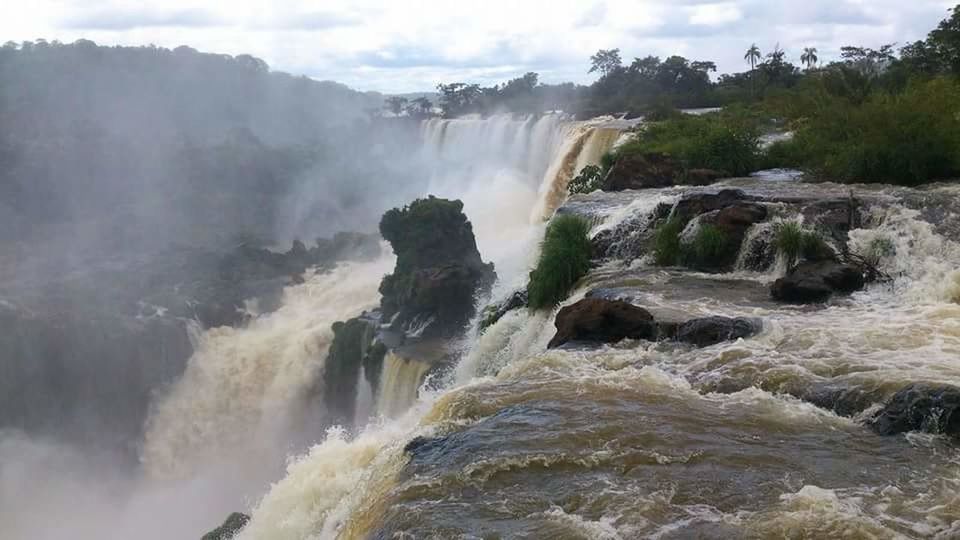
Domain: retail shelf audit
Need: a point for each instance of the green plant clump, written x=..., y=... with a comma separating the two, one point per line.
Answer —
x=564, y=259
x=795, y=243
x=667, y=248
x=707, y=249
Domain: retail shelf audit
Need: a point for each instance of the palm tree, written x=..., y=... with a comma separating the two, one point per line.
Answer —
x=752, y=57
x=809, y=57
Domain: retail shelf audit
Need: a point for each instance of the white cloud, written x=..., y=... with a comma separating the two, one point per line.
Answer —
x=715, y=14
x=400, y=46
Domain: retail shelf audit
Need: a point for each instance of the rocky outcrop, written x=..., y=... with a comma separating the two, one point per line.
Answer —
x=438, y=272
x=355, y=345
x=604, y=321
x=234, y=524
x=817, y=281
x=920, y=407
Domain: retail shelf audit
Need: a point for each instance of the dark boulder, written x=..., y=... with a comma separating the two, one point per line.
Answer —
x=438, y=272
x=233, y=525
x=694, y=204
x=817, y=281
x=708, y=331
x=601, y=320
x=920, y=407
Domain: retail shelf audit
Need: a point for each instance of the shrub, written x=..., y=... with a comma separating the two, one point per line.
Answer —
x=564, y=259
x=587, y=181
x=667, y=247
x=723, y=142
x=795, y=243
x=906, y=138
x=708, y=249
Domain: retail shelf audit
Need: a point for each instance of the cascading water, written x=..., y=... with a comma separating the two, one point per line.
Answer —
x=245, y=388
x=399, y=383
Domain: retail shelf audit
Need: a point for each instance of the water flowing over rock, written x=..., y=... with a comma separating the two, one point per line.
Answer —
x=920, y=407
x=708, y=331
x=355, y=346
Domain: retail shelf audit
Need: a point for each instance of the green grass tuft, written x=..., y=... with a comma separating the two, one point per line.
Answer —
x=707, y=248
x=795, y=243
x=667, y=248
x=564, y=259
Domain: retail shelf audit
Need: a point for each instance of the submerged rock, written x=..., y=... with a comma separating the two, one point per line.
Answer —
x=601, y=320
x=708, y=331
x=920, y=407
x=438, y=272
x=233, y=525
x=811, y=282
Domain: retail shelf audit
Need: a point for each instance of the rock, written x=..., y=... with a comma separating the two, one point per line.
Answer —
x=836, y=217
x=708, y=331
x=438, y=272
x=692, y=205
x=733, y=222
x=641, y=171
x=920, y=407
x=494, y=313
x=701, y=177
x=601, y=320
x=234, y=523
x=842, y=400
x=817, y=281
x=355, y=346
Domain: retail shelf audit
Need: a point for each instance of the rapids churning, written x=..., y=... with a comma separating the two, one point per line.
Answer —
x=510, y=439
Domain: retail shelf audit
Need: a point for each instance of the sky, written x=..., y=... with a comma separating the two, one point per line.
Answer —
x=396, y=46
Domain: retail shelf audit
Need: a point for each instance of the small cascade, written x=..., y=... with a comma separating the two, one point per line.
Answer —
x=399, y=383
x=363, y=408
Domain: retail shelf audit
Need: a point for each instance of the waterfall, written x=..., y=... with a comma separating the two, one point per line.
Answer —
x=244, y=386
x=399, y=383
x=512, y=174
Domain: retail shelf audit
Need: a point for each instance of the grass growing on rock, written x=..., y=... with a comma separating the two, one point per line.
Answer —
x=667, y=247
x=564, y=259
x=793, y=242
x=707, y=248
